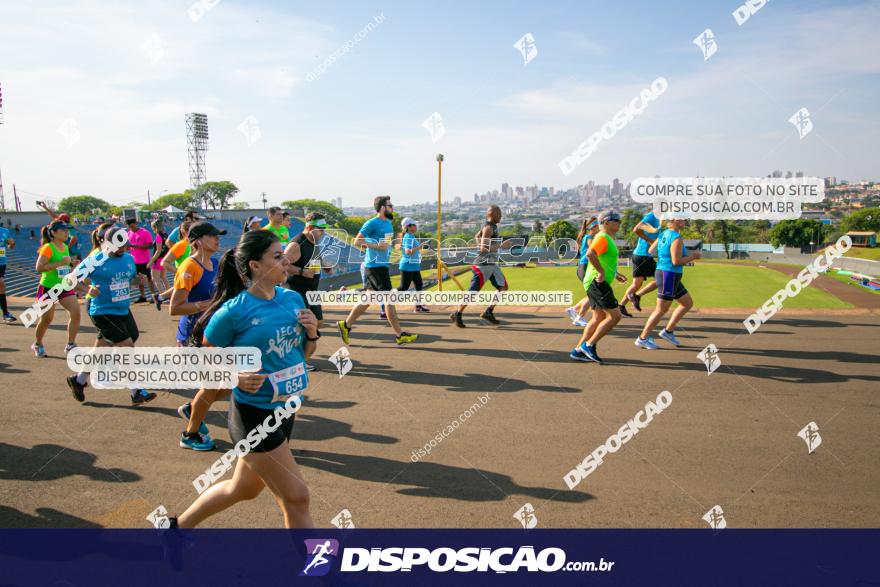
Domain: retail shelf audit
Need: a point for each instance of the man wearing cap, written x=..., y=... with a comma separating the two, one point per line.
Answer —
x=276, y=225
x=141, y=242
x=411, y=260
x=304, y=255
x=602, y=256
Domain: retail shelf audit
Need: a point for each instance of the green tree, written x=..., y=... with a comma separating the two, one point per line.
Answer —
x=217, y=194
x=351, y=224
x=628, y=221
x=726, y=232
x=184, y=201
x=797, y=233
x=330, y=212
x=867, y=219
x=84, y=205
x=538, y=227
x=560, y=229
x=516, y=230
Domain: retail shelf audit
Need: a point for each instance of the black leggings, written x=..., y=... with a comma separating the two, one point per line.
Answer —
x=410, y=277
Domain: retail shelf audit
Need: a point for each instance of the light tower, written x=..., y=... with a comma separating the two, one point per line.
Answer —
x=197, y=145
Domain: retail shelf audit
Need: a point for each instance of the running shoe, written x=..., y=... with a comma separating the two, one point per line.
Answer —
x=490, y=317
x=624, y=311
x=424, y=309
x=142, y=396
x=69, y=347
x=647, y=343
x=669, y=337
x=636, y=301
x=9, y=318
x=383, y=316
x=590, y=353
x=577, y=355
x=456, y=317
x=76, y=389
x=406, y=337
x=185, y=411
x=141, y=300
x=310, y=367
x=39, y=350
x=572, y=314
x=196, y=441
x=580, y=321
x=344, y=330
x=158, y=300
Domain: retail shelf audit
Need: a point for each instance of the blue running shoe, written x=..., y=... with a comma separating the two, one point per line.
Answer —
x=669, y=337
x=646, y=343
x=196, y=442
x=577, y=355
x=184, y=411
x=590, y=353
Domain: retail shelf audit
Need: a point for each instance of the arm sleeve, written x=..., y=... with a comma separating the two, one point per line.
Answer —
x=220, y=330
x=45, y=251
x=177, y=249
x=188, y=275
x=599, y=244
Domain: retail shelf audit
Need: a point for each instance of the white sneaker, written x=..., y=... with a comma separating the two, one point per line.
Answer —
x=572, y=315
x=670, y=337
x=579, y=321
x=647, y=343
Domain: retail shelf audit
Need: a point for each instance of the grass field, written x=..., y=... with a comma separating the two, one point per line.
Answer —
x=872, y=254
x=713, y=285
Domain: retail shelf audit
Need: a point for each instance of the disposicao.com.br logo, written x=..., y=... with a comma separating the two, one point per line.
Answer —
x=322, y=553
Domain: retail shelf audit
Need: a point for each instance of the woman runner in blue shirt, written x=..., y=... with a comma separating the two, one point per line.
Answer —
x=672, y=256
x=275, y=320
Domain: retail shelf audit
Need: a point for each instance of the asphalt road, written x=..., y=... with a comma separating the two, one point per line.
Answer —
x=728, y=439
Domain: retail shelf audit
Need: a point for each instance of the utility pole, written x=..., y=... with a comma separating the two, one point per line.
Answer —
x=264, y=200
x=148, y=198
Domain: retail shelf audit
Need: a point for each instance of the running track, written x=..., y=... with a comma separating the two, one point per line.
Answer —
x=728, y=439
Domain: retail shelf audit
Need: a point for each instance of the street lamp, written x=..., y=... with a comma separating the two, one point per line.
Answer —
x=439, y=183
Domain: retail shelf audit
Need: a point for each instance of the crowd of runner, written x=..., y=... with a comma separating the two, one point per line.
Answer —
x=257, y=295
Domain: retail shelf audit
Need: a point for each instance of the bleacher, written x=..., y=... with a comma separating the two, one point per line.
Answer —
x=22, y=278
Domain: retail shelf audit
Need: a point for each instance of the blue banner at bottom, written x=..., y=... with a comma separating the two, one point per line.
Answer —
x=81, y=558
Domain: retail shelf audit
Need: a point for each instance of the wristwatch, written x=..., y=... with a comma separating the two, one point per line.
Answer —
x=313, y=339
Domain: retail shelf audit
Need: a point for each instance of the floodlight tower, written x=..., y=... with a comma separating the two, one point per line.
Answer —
x=197, y=145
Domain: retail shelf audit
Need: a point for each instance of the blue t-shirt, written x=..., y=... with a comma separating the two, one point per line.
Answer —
x=585, y=246
x=664, y=254
x=113, y=277
x=411, y=262
x=273, y=327
x=642, y=247
x=375, y=230
x=175, y=235
x=4, y=235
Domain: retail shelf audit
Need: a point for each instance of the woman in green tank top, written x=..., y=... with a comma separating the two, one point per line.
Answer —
x=54, y=263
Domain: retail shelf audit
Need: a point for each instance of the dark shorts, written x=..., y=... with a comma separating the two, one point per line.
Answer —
x=644, y=266
x=114, y=328
x=316, y=309
x=64, y=294
x=601, y=296
x=669, y=285
x=143, y=269
x=2, y=270
x=408, y=278
x=582, y=271
x=378, y=278
x=243, y=418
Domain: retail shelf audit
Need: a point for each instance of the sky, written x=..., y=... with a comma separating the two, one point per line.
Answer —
x=95, y=94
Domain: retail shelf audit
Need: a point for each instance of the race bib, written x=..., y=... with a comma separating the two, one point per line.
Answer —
x=389, y=236
x=63, y=271
x=118, y=290
x=2, y=251
x=288, y=382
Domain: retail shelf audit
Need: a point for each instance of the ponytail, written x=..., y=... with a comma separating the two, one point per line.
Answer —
x=232, y=274
x=585, y=228
x=45, y=239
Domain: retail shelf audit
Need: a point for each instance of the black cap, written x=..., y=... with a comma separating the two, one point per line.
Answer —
x=200, y=229
x=59, y=225
x=130, y=220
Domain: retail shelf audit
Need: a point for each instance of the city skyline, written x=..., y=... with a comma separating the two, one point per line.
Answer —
x=104, y=113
